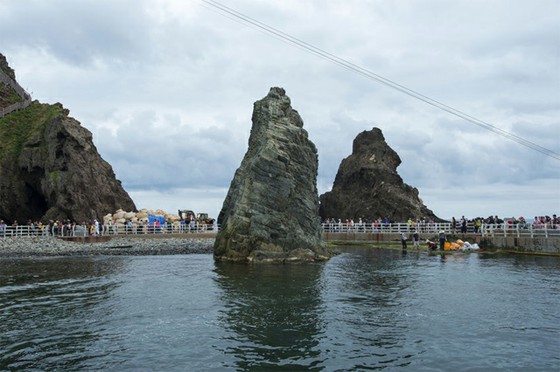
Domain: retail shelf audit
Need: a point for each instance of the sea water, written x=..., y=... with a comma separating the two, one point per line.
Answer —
x=364, y=309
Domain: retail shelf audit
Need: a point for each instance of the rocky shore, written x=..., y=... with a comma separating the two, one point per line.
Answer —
x=121, y=246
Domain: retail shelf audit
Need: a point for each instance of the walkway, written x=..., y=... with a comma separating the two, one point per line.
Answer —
x=25, y=97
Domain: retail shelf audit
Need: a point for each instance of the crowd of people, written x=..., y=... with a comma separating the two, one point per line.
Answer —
x=376, y=225
x=55, y=228
x=67, y=228
x=419, y=225
x=462, y=225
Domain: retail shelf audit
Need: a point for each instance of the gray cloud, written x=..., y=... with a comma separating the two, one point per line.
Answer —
x=167, y=88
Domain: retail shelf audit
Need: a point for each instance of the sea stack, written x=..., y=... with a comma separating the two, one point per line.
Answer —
x=368, y=186
x=271, y=212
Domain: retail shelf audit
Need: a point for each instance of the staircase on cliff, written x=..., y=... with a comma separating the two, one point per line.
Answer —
x=25, y=97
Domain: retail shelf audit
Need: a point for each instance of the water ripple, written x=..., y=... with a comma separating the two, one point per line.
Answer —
x=365, y=309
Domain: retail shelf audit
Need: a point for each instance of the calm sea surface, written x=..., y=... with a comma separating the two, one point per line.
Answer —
x=365, y=309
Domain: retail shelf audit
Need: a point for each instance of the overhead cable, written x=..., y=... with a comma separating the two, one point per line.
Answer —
x=253, y=23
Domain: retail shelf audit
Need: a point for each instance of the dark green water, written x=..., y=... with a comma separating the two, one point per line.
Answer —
x=365, y=309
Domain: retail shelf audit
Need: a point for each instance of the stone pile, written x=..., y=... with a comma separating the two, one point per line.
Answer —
x=140, y=218
x=129, y=246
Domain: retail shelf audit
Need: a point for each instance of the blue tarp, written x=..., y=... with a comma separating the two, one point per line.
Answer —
x=152, y=219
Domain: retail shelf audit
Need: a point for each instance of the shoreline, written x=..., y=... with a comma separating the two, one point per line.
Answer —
x=151, y=245
x=116, y=246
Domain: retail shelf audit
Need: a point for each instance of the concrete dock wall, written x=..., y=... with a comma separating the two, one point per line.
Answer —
x=527, y=244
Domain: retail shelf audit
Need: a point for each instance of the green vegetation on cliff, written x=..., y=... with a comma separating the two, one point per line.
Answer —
x=8, y=96
x=20, y=126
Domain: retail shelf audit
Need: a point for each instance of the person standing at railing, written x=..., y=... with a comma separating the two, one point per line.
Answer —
x=15, y=228
x=360, y=225
x=454, y=225
x=95, y=227
x=477, y=225
x=463, y=225
x=2, y=228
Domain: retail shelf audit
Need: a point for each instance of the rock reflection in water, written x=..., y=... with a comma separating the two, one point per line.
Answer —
x=272, y=313
x=364, y=295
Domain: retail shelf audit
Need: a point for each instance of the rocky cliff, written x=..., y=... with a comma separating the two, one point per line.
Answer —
x=5, y=67
x=8, y=95
x=50, y=168
x=270, y=213
x=368, y=186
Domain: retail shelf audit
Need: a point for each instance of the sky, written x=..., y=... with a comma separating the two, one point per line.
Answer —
x=167, y=88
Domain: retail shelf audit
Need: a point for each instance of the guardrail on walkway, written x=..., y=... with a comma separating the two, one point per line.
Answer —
x=490, y=230
x=503, y=229
x=103, y=230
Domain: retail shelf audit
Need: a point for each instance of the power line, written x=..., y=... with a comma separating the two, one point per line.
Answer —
x=280, y=35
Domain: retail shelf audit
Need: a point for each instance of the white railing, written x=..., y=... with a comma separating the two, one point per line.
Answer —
x=490, y=230
x=103, y=230
x=151, y=229
x=485, y=229
x=384, y=228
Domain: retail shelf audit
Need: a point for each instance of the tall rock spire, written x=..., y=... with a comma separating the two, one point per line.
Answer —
x=271, y=212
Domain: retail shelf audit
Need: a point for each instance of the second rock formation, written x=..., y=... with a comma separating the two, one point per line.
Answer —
x=368, y=186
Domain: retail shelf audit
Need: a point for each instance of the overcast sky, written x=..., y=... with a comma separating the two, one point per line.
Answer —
x=167, y=89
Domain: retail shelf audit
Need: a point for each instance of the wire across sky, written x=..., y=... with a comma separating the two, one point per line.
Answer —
x=309, y=48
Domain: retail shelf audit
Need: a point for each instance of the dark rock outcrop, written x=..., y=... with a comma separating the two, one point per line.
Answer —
x=50, y=169
x=368, y=186
x=270, y=213
x=5, y=67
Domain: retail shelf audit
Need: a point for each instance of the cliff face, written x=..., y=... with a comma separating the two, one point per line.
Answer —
x=50, y=169
x=4, y=66
x=271, y=211
x=368, y=186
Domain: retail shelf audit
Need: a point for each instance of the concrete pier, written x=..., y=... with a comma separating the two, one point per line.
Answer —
x=522, y=244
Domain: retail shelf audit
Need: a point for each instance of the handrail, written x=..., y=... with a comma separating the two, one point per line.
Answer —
x=103, y=230
x=25, y=97
x=485, y=229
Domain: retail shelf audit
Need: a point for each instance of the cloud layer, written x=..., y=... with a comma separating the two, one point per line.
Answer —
x=167, y=89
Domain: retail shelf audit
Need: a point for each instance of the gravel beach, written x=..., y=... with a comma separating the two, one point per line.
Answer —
x=128, y=246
